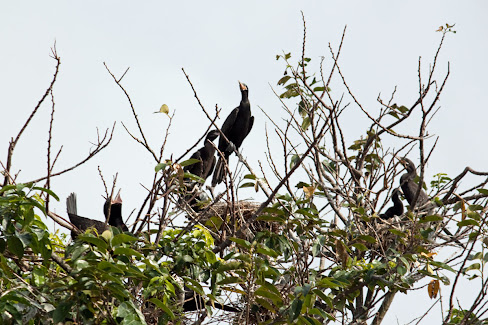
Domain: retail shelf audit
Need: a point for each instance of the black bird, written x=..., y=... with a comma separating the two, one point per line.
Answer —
x=410, y=187
x=236, y=127
x=194, y=301
x=396, y=209
x=83, y=223
x=115, y=218
x=206, y=155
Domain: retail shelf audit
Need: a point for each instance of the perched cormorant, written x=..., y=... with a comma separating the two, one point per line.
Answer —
x=410, y=187
x=83, y=223
x=194, y=301
x=206, y=155
x=236, y=127
x=396, y=209
x=115, y=219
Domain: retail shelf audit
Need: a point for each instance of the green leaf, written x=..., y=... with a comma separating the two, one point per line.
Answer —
x=100, y=243
x=127, y=252
x=15, y=246
x=265, y=303
x=295, y=309
x=283, y=80
x=467, y=222
x=241, y=242
x=247, y=185
x=189, y=162
x=360, y=246
x=367, y=238
x=229, y=280
x=160, y=166
x=165, y=308
x=61, y=312
x=306, y=123
x=122, y=239
x=397, y=232
x=443, y=265
x=483, y=191
x=294, y=160
x=267, y=251
x=431, y=218
x=475, y=266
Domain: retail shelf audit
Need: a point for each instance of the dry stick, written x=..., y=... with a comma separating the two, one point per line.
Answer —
x=99, y=147
x=227, y=242
x=48, y=181
x=61, y=262
x=144, y=143
x=13, y=142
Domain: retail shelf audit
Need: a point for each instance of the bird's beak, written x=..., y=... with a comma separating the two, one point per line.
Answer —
x=117, y=199
x=242, y=86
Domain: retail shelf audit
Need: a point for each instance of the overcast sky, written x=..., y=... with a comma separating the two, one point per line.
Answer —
x=219, y=43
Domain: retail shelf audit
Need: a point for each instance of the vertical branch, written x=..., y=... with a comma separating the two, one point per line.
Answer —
x=13, y=142
x=48, y=180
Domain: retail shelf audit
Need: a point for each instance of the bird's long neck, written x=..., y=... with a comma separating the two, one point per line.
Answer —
x=245, y=100
x=396, y=200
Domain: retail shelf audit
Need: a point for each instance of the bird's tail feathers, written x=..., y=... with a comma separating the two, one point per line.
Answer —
x=219, y=171
x=71, y=204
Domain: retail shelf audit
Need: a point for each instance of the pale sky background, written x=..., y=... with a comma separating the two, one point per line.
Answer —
x=219, y=43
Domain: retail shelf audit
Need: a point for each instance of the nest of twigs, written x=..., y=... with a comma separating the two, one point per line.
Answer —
x=231, y=220
x=397, y=233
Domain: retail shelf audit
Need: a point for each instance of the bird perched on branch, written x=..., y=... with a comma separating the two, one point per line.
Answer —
x=396, y=209
x=410, y=187
x=236, y=127
x=83, y=223
x=206, y=155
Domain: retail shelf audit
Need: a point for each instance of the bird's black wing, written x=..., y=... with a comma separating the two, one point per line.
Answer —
x=251, y=123
x=227, y=127
x=211, y=168
x=196, y=168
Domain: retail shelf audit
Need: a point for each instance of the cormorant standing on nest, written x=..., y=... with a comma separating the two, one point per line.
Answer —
x=410, y=187
x=206, y=155
x=396, y=209
x=194, y=301
x=236, y=127
x=83, y=223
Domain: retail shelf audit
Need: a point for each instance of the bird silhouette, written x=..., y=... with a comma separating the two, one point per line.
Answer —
x=206, y=157
x=83, y=223
x=396, y=209
x=236, y=127
x=410, y=188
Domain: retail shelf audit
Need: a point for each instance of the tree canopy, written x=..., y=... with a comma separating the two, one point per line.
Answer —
x=314, y=251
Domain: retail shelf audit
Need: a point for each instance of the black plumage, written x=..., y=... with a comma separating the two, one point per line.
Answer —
x=396, y=209
x=83, y=223
x=194, y=301
x=410, y=187
x=236, y=127
x=115, y=218
x=206, y=155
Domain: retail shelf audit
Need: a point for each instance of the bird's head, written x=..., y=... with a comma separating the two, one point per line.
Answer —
x=212, y=135
x=408, y=164
x=118, y=199
x=243, y=86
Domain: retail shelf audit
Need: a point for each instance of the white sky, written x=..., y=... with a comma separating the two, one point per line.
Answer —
x=219, y=43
